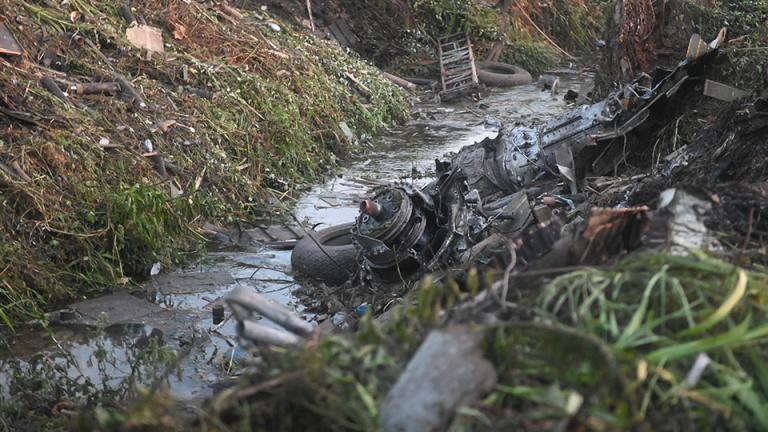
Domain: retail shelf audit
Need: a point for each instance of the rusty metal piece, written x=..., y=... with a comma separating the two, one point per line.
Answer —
x=610, y=232
x=697, y=47
x=8, y=43
x=371, y=208
x=95, y=88
x=609, y=218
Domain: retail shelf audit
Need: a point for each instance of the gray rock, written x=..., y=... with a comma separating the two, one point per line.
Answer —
x=447, y=371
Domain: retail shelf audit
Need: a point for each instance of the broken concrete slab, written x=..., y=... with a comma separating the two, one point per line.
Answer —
x=447, y=371
x=722, y=91
x=123, y=308
x=120, y=307
x=190, y=283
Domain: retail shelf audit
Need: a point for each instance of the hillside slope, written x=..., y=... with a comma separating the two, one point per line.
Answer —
x=95, y=188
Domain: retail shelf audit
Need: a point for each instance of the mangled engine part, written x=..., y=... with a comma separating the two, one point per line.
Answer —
x=677, y=227
x=391, y=230
x=583, y=139
x=401, y=230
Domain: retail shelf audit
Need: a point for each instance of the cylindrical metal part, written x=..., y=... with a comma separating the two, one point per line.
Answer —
x=261, y=333
x=371, y=208
x=253, y=302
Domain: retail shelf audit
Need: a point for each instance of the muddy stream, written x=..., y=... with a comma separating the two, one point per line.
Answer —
x=177, y=306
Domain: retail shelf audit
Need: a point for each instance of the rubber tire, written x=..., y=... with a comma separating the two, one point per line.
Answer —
x=311, y=262
x=499, y=74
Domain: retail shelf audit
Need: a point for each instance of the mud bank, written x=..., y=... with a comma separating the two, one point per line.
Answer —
x=119, y=139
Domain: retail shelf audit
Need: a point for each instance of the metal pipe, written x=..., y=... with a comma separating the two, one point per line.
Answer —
x=261, y=333
x=371, y=208
x=249, y=301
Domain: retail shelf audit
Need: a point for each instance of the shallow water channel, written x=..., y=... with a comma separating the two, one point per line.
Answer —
x=178, y=305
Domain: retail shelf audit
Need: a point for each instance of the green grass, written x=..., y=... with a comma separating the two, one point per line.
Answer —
x=92, y=218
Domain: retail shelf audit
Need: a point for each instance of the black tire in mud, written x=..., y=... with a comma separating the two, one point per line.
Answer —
x=499, y=74
x=326, y=255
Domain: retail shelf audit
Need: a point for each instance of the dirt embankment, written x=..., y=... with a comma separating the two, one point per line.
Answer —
x=714, y=145
x=97, y=184
x=377, y=30
x=641, y=34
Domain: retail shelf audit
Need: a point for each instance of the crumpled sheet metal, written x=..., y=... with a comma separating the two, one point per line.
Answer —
x=678, y=224
x=8, y=43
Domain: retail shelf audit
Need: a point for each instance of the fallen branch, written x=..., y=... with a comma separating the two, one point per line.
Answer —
x=266, y=385
x=49, y=84
x=360, y=86
x=399, y=81
x=20, y=172
x=309, y=12
x=129, y=92
x=96, y=88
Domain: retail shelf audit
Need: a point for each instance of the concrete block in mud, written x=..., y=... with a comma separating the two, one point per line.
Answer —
x=120, y=307
x=190, y=283
x=447, y=371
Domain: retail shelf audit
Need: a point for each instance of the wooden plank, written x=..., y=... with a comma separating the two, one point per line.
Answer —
x=458, y=78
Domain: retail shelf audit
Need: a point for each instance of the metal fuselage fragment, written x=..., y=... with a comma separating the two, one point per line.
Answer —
x=484, y=188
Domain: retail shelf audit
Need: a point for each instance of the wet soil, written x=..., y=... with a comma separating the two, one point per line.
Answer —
x=178, y=305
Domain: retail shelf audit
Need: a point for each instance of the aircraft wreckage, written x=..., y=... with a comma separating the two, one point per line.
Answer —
x=487, y=192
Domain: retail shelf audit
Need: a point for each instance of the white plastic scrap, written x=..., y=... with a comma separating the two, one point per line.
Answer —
x=699, y=366
x=155, y=270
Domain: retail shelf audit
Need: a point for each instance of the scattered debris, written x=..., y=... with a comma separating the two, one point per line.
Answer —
x=457, y=66
x=447, y=371
x=49, y=84
x=146, y=37
x=8, y=43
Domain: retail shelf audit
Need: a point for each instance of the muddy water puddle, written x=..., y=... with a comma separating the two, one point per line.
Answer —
x=175, y=309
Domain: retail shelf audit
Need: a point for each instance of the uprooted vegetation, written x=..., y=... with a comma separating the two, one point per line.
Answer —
x=534, y=35
x=240, y=108
x=652, y=34
x=401, y=34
